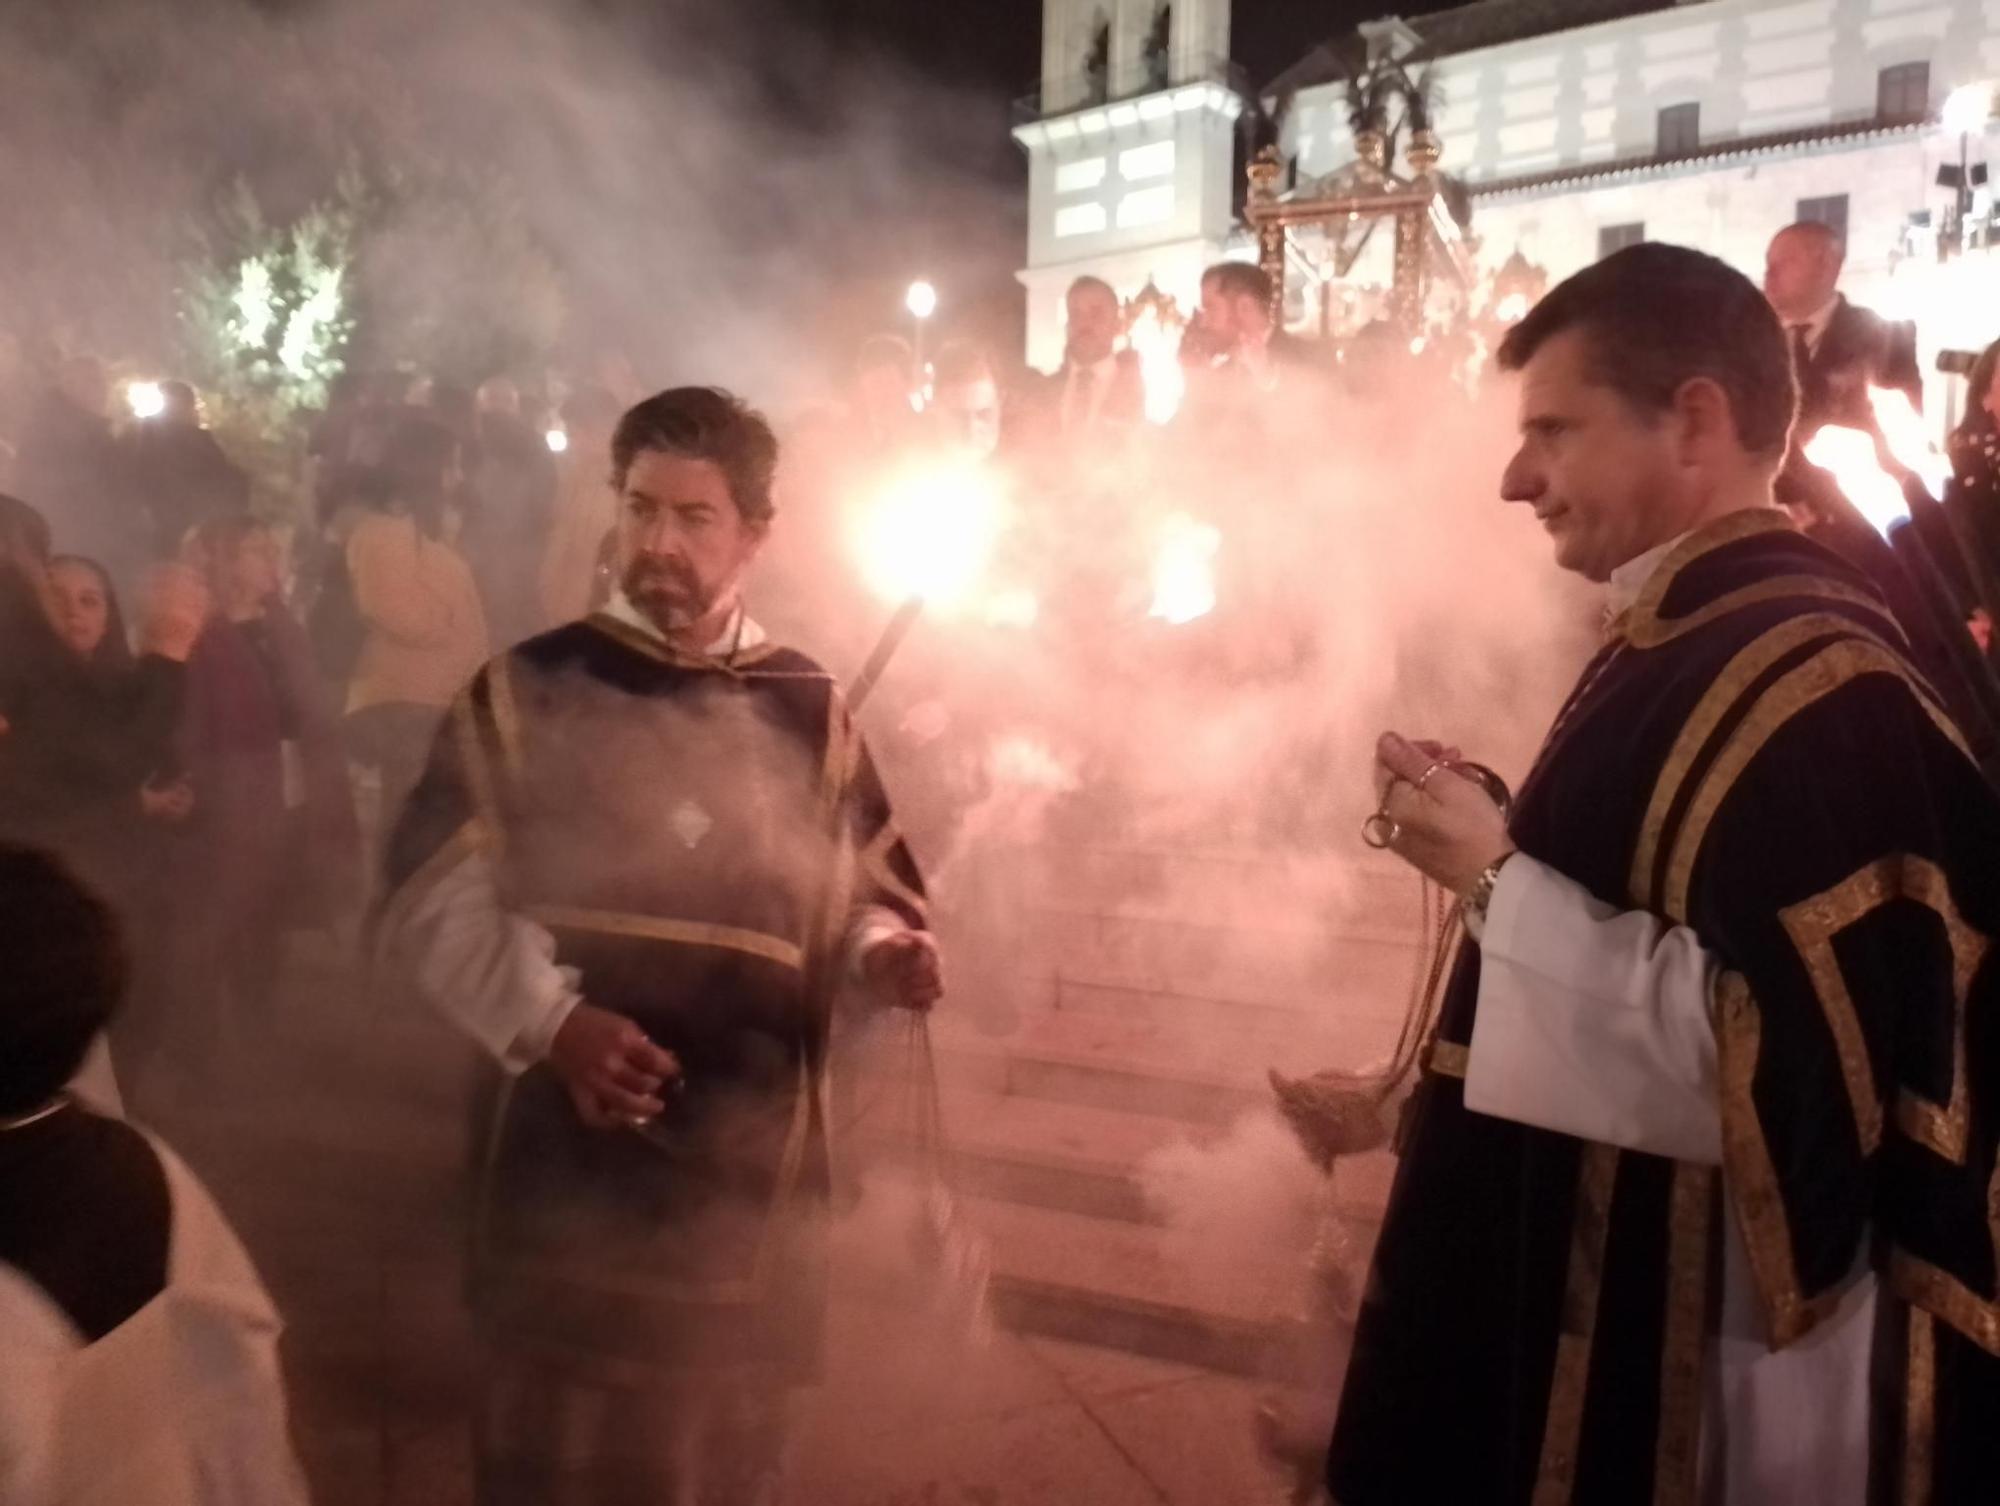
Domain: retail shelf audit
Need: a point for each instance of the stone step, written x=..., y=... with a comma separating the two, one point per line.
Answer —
x=1068, y=1157
x=1169, y=953
x=1254, y=890
x=1143, y=1066
x=1372, y=986
x=1125, y=1286
x=1073, y=1158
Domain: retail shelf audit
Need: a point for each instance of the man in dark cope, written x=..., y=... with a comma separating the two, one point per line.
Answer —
x=1697, y=1195
x=648, y=851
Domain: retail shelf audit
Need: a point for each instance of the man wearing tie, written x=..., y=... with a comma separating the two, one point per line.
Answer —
x=1097, y=392
x=1838, y=350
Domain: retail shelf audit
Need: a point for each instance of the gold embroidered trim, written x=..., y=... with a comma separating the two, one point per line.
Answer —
x=875, y=864
x=1749, y=1174
x=478, y=777
x=657, y=928
x=1597, y=1177
x=1821, y=675
x=1943, y=1295
x=1750, y=663
x=1920, y=1412
x=1447, y=1059
x=1813, y=926
x=1651, y=632
x=1702, y=542
x=506, y=717
x=1677, y=1460
x=842, y=742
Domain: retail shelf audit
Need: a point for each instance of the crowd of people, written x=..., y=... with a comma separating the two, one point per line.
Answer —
x=261, y=747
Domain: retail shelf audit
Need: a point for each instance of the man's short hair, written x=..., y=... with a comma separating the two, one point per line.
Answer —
x=704, y=423
x=1655, y=317
x=1821, y=234
x=1240, y=279
x=66, y=973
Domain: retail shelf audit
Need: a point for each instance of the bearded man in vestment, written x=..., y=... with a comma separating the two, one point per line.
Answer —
x=647, y=852
x=1697, y=1198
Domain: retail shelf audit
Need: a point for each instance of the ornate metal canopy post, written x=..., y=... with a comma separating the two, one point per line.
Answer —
x=1264, y=171
x=1425, y=207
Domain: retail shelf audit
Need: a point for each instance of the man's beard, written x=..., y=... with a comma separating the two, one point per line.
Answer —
x=668, y=593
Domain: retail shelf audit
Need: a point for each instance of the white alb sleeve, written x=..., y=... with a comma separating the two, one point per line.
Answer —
x=491, y=973
x=1592, y=1021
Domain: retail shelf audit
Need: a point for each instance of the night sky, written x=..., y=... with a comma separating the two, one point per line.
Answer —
x=991, y=51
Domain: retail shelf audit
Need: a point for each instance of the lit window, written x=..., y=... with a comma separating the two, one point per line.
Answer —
x=1153, y=161
x=1079, y=176
x=1079, y=219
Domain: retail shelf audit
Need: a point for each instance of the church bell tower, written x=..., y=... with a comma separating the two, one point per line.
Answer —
x=1131, y=152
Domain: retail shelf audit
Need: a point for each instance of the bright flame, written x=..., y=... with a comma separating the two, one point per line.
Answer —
x=145, y=399
x=1967, y=109
x=1903, y=427
x=1850, y=455
x=1015, y=607
x=1512, y=309
x=556, y=440
x=1184, y=570
x=1158, y=346
x=930, y=533
x=921, y=300
x=1952, y=302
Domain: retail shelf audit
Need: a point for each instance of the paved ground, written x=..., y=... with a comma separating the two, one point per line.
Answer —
x=335, y=1145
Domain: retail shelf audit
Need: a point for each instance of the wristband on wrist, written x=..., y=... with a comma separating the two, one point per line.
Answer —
x=1480, y=895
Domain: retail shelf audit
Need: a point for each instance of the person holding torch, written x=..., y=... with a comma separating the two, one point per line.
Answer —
x=648, y=850
x=1695, y=1200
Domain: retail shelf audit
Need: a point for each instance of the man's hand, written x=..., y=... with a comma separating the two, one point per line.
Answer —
x=905, y=970
x=614, y=1073
x=174, y=605
x=167, y=802
x=1449, y=830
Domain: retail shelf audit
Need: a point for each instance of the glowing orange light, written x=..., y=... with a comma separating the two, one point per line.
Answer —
x=1903, y=427
x=1158, y=345
x=1184, y=570
x=1850, y=455
x=1015, y=607
x=1512, y=309
x=930, y=533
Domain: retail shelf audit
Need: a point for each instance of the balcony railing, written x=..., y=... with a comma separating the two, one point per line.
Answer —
x=1083, y=91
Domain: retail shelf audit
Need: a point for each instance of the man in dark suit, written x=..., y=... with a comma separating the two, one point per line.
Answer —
x=1839, y=350
x=1098, y=391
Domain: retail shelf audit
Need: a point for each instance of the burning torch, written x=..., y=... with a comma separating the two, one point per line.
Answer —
x=145, y=399
x=926, y=541
x=1884, y=501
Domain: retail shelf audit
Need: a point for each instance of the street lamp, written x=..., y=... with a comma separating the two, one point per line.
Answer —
x=921, y=300
x=145, y=399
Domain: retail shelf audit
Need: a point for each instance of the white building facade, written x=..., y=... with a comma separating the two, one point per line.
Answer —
x=1131, y=152
x=1583, y=125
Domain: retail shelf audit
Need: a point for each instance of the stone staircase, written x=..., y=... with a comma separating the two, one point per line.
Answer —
x=1120, y=1032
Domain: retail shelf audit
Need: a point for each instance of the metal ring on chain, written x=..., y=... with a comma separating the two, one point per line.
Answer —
x=1380, y=830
